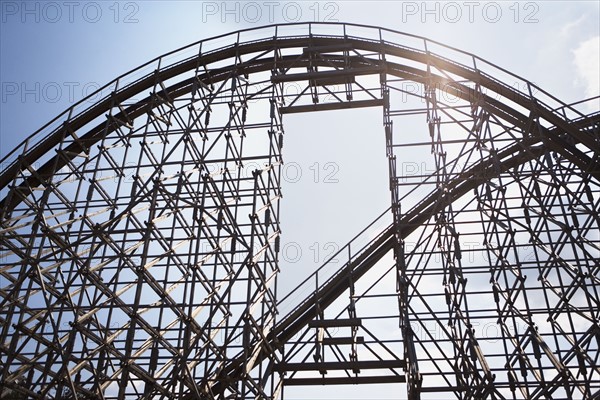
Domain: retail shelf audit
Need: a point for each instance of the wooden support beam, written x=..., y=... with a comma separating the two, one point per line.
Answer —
x=329, y=49
x=352, y=380
x=331, y=106
x=338, y=73
x=329, y=323
x=342, y=341
x=340, y=365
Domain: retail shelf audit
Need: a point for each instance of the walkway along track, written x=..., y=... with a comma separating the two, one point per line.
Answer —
x=553, y=141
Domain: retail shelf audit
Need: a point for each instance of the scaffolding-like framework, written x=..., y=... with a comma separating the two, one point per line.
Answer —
x=140, y=235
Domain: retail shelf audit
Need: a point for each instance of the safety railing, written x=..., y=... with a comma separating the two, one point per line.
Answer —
x=283, y=31
x=335, y=265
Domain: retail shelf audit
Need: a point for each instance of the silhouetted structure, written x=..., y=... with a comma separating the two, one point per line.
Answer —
x=140, y=251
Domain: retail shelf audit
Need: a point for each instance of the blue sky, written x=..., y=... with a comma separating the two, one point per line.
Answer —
x=53, y=53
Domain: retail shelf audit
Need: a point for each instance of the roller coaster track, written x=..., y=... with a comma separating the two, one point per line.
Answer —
x=130, y=270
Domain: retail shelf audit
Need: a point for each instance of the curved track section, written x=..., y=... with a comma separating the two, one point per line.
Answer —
x=140, y=236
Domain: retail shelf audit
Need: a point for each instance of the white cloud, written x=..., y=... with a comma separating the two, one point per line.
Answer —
x=587, y=64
